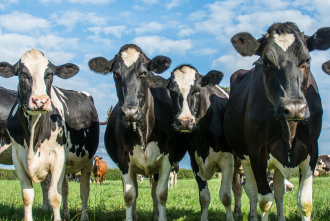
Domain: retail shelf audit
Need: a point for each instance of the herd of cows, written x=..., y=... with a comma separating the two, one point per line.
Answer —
x=271, y=120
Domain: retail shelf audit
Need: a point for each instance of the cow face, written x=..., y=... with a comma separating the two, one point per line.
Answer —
x=97, y=160
x=185, y=86
x=326, y=67
x=285, y=61
x=35, y=74
x=131, y=69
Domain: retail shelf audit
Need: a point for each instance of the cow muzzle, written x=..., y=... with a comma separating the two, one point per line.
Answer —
x=131, y=113
x=293, y=111
x=186, y=124
x=40, y=103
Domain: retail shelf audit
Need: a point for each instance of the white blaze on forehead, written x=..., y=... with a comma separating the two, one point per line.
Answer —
x=130, y=56
x=36, y=63
x=284, y=40
x=185, y=78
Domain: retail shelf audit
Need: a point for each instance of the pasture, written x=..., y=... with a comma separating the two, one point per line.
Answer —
x=106, y=202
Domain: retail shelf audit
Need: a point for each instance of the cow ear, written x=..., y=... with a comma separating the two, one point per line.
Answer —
x=7, y=70
x=159, y=64
x=157, y=81
x=326, y=67
x=245, y=44
x=101, y=158
x=100, y=65
x=212, y=78
x=320, y=40
x=66, y=71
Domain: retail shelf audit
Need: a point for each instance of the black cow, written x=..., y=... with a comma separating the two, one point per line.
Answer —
x=139, y=135
x=326, y=67
x=53, y=131
x=199, y=107
x=273, y=117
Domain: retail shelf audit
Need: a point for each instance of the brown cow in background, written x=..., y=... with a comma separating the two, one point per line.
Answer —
x=99, y=169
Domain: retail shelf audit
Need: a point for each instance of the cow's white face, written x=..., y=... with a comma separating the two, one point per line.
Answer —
x=35, y=73
x=36, y=76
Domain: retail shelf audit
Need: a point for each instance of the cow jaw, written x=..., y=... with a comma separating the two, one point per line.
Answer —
x=36, y=63
x=185, y=78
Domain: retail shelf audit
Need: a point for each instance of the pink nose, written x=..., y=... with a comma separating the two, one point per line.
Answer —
x=185, y=119
x=40, y=102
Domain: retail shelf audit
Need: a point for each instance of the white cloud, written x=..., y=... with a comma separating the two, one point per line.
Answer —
x=95, y=2
x=186, y=32
x=59, y=57
x=58, y=43
x=140, y=7
x=49, y=1
x=150, y=1
x=6, y=3
x=70, y=18
x=198, y=15
x=114, y=30
x=22, y=22
x=98, y=39
x=149, y=27
x=174, y=3
x=207, y=51
x=156, y=44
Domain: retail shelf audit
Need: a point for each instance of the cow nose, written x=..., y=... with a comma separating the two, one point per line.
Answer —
x=40, y=102
x=292, y=111
x=186, y=123
x=130, y=112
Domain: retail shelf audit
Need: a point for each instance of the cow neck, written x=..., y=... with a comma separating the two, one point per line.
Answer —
x=29, y=116
x=288, y=132
x=144, y=127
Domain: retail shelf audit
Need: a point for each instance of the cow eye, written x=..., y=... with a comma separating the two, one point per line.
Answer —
x=308, y=61
x=265, y=63
x=23, y=75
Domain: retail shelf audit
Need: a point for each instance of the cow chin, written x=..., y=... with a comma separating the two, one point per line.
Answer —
x=36, y=111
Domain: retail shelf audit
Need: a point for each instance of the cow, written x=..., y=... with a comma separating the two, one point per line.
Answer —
x=323, y=165
x=140, y=177
x=100, y=168
x=7, y=100
x=52, y=130
x=139, y=136
x=274, y=113
x=326, y=67
x=199, y=105
x=174, y=176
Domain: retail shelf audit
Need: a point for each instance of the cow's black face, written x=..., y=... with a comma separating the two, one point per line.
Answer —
x=185, y=88
x=131, y=71
x=284, y=52
x=35, y=74
x=286, y=67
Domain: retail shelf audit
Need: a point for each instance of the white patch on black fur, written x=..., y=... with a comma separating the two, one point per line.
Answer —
x=284, y=41
x=185, y=78
x=130, y=56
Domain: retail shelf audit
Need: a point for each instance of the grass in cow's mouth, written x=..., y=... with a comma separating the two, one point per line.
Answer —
x=106, y=202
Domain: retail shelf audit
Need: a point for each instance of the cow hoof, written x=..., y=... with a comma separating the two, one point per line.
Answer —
x=155, y=217
x=84, y=217
x=66, y=216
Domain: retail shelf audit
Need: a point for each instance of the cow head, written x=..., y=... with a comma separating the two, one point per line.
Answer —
x=185, y=86
x=97, y=160
x=285, y=60
x=326, y=67
x=35, y=74
x=131, y=70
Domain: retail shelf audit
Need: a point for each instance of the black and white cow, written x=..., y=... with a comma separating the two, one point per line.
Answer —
x=326, y=67
x=139, y=136
x=7, y=100
x=274, y=115
x=53, y=131
x=323, y=165
x=199, y=106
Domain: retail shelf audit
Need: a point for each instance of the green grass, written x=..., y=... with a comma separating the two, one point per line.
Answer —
x=106, y=202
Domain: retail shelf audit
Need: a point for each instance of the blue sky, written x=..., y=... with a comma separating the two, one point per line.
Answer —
x=189, y=32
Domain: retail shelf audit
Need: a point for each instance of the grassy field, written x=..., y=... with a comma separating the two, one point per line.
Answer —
x=106, y=202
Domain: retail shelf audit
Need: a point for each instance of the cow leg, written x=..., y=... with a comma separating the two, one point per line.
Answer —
x=204, y=197
x=237, y=190
x=135, y=217
x=227, y=168
x=172, y=177
x=26, y=187
x=45, y=188
x=96, y=180
x=304, y=198
x=175, y=179
x=65, y=193
x=279, y=193
x=129, y=193
x=162, y=190
x=84, y=188
x=251, y=190
x=154, y=182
